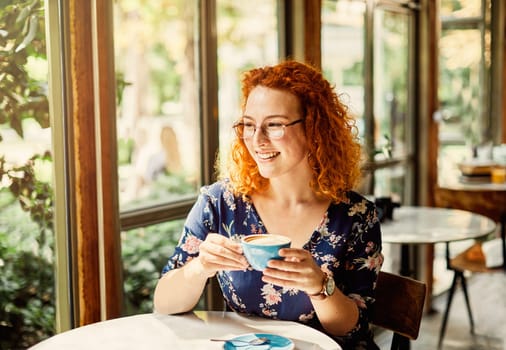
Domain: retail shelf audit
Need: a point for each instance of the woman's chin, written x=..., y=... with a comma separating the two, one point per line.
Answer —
x=266, y=173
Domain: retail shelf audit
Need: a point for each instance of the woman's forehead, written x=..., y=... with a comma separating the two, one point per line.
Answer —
x=271, y=102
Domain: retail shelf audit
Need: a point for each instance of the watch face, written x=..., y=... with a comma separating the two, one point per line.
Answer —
x=330, y=286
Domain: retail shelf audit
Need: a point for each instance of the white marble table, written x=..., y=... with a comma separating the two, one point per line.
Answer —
x=419, y=225
x=428, y=225
x=190, y=331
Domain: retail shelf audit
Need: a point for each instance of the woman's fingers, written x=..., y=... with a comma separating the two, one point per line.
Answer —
x=297, y=270
x=294, y=260
x=220, y=253
x=223, y=241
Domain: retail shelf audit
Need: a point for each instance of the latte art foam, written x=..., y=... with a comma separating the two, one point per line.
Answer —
x=266, y=240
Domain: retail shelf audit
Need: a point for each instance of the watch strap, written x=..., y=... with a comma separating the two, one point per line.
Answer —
x=321, y=294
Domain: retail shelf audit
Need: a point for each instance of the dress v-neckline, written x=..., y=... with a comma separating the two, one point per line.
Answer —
x=316, y=230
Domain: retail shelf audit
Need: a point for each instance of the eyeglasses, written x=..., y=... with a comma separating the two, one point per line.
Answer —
x=273, y=130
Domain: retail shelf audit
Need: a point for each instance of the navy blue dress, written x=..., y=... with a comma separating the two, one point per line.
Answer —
x=346, y=244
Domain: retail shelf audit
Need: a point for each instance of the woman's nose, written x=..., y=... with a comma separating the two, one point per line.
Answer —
x=260, y=136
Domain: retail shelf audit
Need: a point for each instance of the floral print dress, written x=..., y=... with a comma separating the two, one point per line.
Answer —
x=346, y=244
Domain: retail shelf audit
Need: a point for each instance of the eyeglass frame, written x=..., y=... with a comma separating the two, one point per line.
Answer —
x=263, y=127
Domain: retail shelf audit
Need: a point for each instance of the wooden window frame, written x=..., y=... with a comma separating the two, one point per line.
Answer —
x=82, y=108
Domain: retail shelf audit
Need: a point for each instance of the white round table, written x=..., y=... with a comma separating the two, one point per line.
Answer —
x=190, y=331
x=413, y=225
x=418, y=225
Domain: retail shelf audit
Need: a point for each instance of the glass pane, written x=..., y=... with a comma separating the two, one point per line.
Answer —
x=343, y=52
x=459, y=70
x=462, y=68
x=391, y=77
x=158, y=102
x=27, y=283
x=145, y=252
x=391, y=182
x=247, y=37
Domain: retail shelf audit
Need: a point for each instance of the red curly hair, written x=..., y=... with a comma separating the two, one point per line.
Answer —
x=334, y=150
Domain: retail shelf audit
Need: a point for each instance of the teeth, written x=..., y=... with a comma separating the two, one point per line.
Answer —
x=267, y=155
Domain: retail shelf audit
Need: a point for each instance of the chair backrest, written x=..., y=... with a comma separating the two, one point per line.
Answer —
x=399, y=304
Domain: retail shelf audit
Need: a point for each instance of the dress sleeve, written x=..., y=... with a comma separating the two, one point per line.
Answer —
x=199, y=222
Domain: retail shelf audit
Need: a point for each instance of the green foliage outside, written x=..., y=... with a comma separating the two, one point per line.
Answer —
x=27, y=310
x=27, y=285
x=26, y=277
x=145, y=252
x=22, y=44
x=463, y=108
x=26, y=239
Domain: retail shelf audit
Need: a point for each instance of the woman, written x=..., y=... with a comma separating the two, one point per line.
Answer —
x=292, y=169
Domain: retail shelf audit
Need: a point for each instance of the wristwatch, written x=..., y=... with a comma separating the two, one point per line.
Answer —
x=328, y=288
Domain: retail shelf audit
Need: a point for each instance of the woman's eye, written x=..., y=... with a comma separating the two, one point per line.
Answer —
x=274, y=125
x=248, y=125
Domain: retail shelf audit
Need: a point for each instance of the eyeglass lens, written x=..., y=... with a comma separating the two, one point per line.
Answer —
x=273, y=130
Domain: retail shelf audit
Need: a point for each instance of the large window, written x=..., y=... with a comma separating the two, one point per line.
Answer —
x=156, y=51
x=464, y=61
x=372, y=70
x=393, y=96
x=464, y=66
x=158, y=129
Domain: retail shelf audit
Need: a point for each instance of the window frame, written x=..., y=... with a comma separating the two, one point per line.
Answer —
x=87, y=244
x=408, y=160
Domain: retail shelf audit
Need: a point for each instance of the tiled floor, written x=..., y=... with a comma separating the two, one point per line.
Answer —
x=488, y=302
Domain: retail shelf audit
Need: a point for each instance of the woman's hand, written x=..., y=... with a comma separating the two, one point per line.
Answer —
x=298, y=270
x=220, y=253
x=338, y=313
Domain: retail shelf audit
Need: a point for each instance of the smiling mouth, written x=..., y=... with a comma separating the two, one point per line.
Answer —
x=267, y=156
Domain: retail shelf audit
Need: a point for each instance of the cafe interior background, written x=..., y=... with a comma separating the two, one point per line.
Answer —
x=113, y=113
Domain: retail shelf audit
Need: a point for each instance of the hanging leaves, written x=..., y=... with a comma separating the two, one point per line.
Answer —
x=21, y=38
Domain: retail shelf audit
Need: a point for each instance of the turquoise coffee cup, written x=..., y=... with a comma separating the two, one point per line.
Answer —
x=259, y=249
